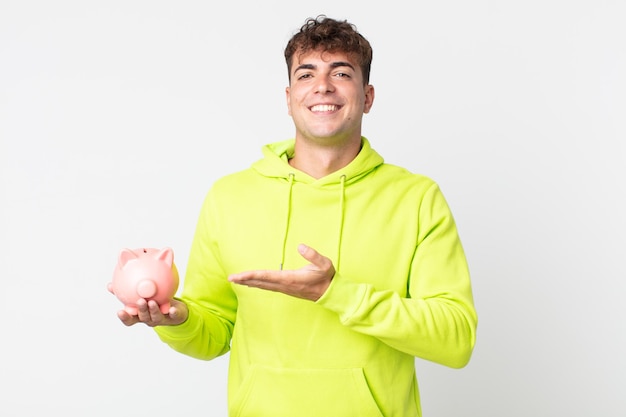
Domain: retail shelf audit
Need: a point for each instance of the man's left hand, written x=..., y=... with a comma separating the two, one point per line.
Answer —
x=309, y=282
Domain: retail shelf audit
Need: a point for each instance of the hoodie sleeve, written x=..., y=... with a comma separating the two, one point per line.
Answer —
x=210, y=299
x=436, y=320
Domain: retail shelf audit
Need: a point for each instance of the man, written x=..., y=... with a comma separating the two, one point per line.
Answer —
x=323, y=270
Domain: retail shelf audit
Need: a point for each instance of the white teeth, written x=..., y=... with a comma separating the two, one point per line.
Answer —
x=324, y=107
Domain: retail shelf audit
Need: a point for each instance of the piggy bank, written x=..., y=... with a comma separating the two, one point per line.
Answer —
x=147, y=273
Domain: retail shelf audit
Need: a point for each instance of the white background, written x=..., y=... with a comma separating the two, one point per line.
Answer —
x=116, y=117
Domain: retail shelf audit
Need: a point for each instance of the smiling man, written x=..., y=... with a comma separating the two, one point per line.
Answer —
x=323, y=270
x=327, y=98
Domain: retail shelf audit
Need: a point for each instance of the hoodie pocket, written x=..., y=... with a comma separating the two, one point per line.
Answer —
x=280, y=392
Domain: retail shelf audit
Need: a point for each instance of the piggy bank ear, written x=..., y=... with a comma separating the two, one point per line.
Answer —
x=125, y=256
x=166, y=255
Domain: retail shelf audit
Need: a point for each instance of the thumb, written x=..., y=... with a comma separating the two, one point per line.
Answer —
x=312, y=256
x=307, y=252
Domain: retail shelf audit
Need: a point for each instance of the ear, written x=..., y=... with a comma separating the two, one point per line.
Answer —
x=166, y=255
x=125, y=256
x=369, y=98
x=288, y=98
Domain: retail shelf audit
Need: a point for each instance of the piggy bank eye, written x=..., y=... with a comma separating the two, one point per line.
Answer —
x=145, y=251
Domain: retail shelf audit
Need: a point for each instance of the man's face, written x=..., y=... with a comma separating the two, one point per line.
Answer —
x=326, y=97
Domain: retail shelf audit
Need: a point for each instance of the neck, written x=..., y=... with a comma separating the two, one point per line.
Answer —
x=319, y=161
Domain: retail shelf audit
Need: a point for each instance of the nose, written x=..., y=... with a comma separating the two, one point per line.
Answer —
x=324, y=85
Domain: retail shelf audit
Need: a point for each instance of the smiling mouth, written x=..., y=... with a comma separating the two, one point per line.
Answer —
x=322, y=108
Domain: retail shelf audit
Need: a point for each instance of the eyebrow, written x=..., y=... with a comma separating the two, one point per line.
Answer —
x=336, y=64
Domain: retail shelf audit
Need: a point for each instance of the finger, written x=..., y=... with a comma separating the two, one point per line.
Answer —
x=126, y=318
x=143, y=311
x=314, y=256
x=253, y=276
x=265, y=280
x=155, y=312
x=178, y=312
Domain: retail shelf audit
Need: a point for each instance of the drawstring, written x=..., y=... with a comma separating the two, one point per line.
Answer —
x=287, y=220
x=342, y=198
x=341, y=220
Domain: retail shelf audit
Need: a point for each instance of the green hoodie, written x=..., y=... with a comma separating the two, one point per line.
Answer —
x=402, y=288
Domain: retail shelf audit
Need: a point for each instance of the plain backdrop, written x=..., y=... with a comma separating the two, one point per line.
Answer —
x=117, y=116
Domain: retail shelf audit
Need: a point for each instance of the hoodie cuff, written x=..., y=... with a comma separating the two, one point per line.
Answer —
x=181, y=331
x=343, y=297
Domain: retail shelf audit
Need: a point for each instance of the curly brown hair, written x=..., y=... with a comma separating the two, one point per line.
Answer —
x=331, y=35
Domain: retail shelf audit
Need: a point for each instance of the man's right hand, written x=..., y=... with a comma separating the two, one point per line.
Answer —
x=150, y=314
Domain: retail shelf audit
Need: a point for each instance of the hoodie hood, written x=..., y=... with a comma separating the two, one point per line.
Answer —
x=275, y=164
x=276, y=156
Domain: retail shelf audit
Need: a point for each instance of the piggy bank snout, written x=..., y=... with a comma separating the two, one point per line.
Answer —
x=146, y=288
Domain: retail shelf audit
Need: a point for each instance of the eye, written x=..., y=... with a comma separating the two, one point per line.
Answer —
x=342, y=75
x=304, y=76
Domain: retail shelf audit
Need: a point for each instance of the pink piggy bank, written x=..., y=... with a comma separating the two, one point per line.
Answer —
x=147, y=273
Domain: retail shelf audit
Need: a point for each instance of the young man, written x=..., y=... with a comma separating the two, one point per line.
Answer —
x=322, y=269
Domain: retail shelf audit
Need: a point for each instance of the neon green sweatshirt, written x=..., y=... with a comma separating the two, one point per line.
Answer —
x=402, y=288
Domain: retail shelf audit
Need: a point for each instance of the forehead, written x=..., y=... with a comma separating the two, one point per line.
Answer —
x=319, y=58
